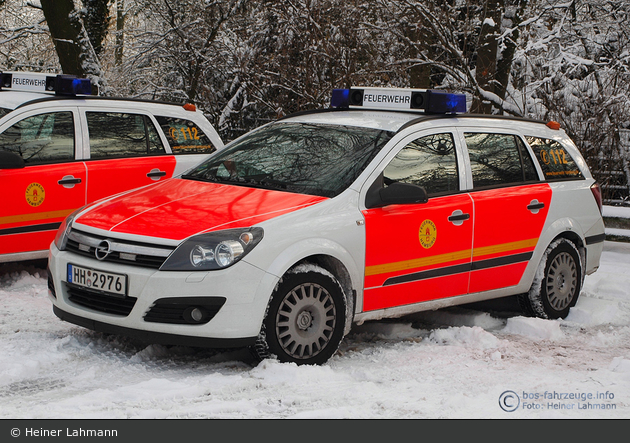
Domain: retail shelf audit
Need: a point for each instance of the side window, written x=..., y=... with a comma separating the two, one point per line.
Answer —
x=114, y=134
x=428, y=161
x=554, y=159
x=498, y=159
x=43, y=138
x=185, y=136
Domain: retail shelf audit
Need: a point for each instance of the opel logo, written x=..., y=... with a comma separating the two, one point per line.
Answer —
x=103, y=249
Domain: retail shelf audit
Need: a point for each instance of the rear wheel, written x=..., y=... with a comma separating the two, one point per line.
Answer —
x=305, y=320
x=557, y=283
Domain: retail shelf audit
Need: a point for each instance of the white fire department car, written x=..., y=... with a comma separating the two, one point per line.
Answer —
x=61, y=148
x=369, y=209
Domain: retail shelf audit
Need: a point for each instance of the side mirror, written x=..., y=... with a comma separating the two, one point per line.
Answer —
x=394, y=194
x=9, y=160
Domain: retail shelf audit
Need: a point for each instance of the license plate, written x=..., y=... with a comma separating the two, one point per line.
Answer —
x=97, y=280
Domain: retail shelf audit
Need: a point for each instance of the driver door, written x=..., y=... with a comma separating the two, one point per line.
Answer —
x=422, y=251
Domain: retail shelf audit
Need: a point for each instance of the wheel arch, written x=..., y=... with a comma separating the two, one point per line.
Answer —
x=337, y=268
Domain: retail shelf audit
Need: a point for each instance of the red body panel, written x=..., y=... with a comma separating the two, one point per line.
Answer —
x=395, y=252
x=34, y=203
x=488, y=251
x=110, y=177
x=506, y=230
x=177, y=209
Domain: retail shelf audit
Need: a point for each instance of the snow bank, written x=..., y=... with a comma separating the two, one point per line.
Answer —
x=616, y=211
x=535, y=328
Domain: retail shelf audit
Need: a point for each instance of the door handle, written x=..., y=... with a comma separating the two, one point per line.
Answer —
x=458, y=217
x=535, y=206
x=68, y=181
x=155, y=174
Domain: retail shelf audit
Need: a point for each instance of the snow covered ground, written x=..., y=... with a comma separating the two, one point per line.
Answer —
x=472, y=362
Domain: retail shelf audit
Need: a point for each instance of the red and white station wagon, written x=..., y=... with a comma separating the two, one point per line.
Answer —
x=61, y=148
x=391, y=202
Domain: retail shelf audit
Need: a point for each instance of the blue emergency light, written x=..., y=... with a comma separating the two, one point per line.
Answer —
x=68, y=85
x=430, y=101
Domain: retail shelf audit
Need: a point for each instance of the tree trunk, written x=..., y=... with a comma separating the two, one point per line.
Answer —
x=120, y=27
x=75, y=52
x=486, y=66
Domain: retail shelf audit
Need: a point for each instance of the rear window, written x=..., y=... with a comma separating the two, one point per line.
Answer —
x=555, y=161
x=184, y=136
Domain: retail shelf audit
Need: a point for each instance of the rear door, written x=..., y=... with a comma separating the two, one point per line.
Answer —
x=511, y=206
x=420, y=252
x=52, y=184
x=125, y=152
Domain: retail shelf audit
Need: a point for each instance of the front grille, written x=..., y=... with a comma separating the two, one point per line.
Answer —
x=121, y=251
x=99, y=301
x=178, y=310
x=51, y=285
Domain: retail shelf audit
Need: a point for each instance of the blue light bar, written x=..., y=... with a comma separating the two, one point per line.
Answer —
x=339, y=98
x=439, y=102
x=429, y=101
x=69, y=85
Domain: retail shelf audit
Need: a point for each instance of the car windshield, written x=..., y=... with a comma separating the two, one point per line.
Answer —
x=4, y=111
x=316, y=159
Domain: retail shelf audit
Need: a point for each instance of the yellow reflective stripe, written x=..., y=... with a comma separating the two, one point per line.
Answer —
x=449, y=257
x=417, y=262
x=505, y=247
x=35, y=216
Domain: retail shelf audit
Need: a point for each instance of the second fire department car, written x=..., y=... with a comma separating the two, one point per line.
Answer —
x=306, y=225
x=61, y=148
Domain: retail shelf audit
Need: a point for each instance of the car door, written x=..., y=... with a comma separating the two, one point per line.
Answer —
x=422, y=251
x=51, y=185
x=511, y=206
x=125, y=152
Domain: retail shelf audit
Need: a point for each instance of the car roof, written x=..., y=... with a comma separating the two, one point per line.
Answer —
x=374, y=119
x=13, y=99
x=388, y=120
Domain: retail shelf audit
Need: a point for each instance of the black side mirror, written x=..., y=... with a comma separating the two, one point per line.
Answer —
x=9, y=160
x=395, y=194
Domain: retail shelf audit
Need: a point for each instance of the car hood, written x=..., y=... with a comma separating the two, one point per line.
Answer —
x=176, y=209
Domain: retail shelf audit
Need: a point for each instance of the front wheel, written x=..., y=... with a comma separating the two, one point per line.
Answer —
x=557, y=283
x=305, y=319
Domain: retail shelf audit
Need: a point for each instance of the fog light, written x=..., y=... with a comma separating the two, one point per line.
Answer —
x=194, y=314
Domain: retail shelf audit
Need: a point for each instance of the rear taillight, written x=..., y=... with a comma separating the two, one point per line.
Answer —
x=597, y=193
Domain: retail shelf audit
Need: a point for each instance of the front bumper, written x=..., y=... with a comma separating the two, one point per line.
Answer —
x=244, y=288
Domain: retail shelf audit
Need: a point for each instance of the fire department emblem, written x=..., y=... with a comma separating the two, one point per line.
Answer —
x=427, y=234
x=35, y=194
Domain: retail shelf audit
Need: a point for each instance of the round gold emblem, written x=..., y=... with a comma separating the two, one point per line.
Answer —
x=35, y=194
x=427, y=234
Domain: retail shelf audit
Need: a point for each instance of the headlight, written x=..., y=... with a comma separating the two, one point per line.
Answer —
x=61, y=238
x=214, y=250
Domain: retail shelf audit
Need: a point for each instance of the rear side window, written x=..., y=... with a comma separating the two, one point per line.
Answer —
x=184, y=136
x=554, y=159
x=499, y=159
x=114, y=134
x=43, y=138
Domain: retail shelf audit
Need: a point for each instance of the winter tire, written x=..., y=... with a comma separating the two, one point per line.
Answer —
x=557, y=283
x=305, y=319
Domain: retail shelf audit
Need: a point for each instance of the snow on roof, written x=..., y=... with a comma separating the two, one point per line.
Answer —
x=384, y=120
